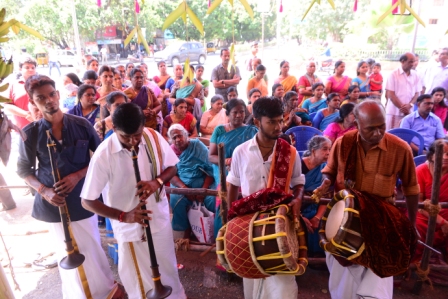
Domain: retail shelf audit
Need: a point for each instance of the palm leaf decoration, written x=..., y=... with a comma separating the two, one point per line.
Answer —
x=187, y=73
x=232, y=63
x=318, y=2
x=246, y=5
x=181, y=12
x=403, y=7
x=140, y=38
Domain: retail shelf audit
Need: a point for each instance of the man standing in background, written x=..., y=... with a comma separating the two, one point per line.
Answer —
x=222, y=78
x=53, y=61
x=402, y=90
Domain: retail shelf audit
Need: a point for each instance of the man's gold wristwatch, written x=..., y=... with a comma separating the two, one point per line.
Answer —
x=160, y=181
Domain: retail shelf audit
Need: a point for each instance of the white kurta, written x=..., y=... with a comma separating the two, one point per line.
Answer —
x=112, y=165
x=96, y=266
x=249, y=171
x=353, y=281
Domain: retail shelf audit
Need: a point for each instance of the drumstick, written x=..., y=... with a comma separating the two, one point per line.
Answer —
x=429, y=247
x=208, y=250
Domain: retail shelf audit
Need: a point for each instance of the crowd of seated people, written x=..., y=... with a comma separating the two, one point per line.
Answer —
x=178, y=110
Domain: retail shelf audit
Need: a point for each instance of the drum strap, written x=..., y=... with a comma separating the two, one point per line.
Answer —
x=283, y=159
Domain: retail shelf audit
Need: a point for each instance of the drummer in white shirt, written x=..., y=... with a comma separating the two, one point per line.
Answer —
x=250, y=170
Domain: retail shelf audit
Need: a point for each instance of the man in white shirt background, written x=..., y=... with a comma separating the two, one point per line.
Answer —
x=437, y=75
x=402, y=89
x=420, y=71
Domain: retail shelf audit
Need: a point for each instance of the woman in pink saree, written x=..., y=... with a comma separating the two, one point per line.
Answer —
x=338, y=82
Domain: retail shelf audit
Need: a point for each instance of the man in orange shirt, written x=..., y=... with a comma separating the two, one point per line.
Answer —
x=370, y=160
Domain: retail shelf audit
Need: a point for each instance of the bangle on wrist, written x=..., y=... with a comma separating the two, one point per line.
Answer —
x=41, y=188
x=121, y=216
x=316, y=217
x=160, y=181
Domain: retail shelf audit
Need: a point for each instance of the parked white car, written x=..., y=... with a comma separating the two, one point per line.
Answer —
x=66, y=58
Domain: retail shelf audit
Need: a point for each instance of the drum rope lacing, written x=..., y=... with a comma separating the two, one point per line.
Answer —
x=432, y=210
x=423, y=275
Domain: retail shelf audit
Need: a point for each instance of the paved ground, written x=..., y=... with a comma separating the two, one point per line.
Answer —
x=199, y=276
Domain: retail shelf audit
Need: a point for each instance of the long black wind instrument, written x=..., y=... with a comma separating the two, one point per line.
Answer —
x=73, y=259
x=159, y=291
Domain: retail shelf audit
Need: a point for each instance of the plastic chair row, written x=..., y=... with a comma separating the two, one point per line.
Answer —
x=409, y=135
x=302, y=134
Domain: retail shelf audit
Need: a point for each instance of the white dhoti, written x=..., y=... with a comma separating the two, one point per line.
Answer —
x=95, y=273
x=134, y=265
x=273, y=287
x=353, y=281
x=393, y=121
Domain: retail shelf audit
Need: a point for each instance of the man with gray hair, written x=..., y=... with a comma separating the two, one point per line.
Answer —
x=307, y=81
x=402, y=89
x=367, y=162
x=437, y=75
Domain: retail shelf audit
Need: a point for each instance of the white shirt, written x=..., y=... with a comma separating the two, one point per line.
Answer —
x=251, y=173
x=112, y=165
x=405, y=88
x=436, y=76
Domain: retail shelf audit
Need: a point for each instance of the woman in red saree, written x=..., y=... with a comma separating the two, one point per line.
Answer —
x=163, y=77
x=338, y=82
x=425, y=178
x=181, y=116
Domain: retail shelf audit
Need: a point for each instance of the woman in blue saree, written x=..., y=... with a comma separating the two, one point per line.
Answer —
x=231, y=134
x=86, y=106
x=316, y=102
x=363, y=82
x=193, y=171
x=326, y=116
x=313, y=162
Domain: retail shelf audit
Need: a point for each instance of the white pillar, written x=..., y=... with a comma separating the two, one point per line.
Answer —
x=279, y=27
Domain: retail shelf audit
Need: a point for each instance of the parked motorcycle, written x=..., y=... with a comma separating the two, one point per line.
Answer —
x=325, y=64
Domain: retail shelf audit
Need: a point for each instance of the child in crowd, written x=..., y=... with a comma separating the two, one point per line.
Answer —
x=376, y=80
x=69, y=102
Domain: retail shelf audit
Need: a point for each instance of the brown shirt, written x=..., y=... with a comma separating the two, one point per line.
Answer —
x=377, y=170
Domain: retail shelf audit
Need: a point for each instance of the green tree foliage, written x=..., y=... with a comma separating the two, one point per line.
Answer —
x=323, y=22
x=387, y=32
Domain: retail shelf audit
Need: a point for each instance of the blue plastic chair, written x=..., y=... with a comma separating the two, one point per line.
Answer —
x=302, y=134
x=419, y=160
x=408, y=135
x=312, y=115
